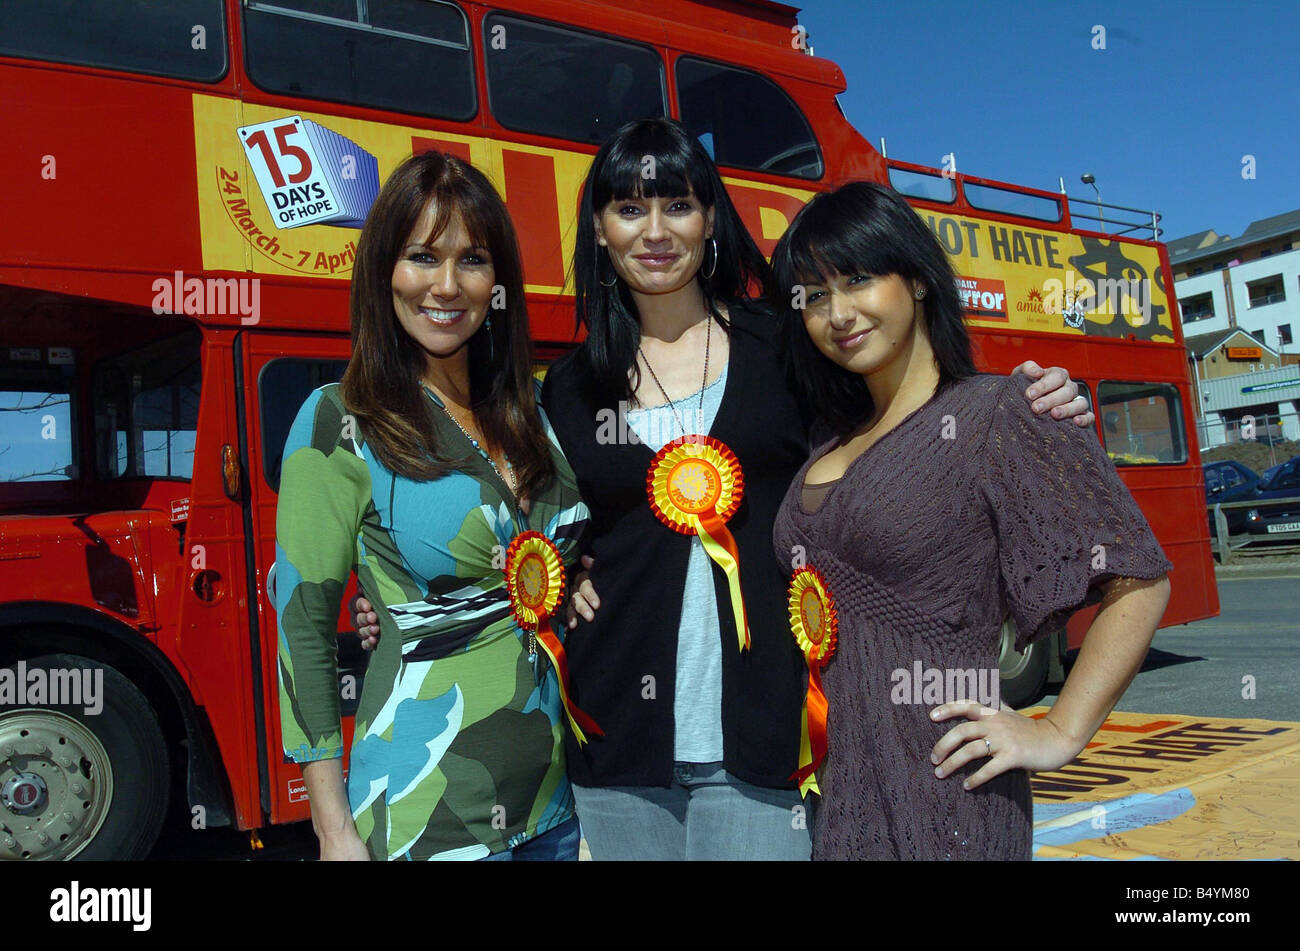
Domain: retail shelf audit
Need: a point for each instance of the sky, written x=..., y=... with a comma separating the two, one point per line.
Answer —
x=1164, y=116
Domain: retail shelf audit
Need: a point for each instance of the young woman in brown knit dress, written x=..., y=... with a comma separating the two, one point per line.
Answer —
x=935, y=501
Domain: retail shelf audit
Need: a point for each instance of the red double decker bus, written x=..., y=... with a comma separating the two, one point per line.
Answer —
x=183, y=184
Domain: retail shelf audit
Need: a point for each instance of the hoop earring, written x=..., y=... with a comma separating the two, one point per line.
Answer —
x=714, y=270
x=602, y=283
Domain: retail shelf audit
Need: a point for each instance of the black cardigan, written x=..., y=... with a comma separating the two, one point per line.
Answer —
x=640, y=572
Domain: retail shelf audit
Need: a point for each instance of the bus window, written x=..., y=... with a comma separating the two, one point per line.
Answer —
x=406, y=55
x=185, y=39
x=36, y=432
x=1009, y=202
x=568, y=84
x=282, y=387
x=147, y=410
x=747, y=119
x=1141, y=423
x=927, y=186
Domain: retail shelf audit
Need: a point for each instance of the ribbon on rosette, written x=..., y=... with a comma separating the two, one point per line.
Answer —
x=694, y=485
x=535, y=583
x=814, y=623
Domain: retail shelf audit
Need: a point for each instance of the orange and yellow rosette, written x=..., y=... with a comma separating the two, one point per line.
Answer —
x=814, y=623
x=535, y=583
x=695, y=485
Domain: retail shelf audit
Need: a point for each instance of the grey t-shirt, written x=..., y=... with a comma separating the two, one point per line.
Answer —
x=697, y=701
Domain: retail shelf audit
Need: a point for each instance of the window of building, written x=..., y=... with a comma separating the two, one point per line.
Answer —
x=283, y=386
x=1266, y=290
x=139, y=36
x=405, y=55
x=1141, y=423
x=1197, y=307
x=549, y=80
x=147, y=410
x=1197, y=270
x=1284, y=334
x=768, y=133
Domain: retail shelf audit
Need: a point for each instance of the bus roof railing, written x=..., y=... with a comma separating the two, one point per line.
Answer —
x=1050, y=208
x=1150, y=222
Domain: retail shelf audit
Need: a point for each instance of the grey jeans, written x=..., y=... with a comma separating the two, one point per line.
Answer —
x=705, y=815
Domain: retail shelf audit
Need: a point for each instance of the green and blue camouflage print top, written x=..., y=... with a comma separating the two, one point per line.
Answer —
x=458, y=749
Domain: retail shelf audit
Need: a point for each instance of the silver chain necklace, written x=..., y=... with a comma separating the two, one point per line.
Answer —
x=511, y=483
x=699, y=412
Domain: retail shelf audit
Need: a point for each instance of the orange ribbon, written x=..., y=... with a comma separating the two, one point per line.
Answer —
x=814, y=623
x=535, y=583
x=694, y=485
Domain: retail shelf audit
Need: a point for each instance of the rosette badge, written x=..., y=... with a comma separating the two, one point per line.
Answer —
x=535, y=584
x=814, y=623
x=695, y=484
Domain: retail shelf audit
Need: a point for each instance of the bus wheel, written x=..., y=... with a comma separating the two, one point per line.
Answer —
x=83, y=764
x=1023, y=674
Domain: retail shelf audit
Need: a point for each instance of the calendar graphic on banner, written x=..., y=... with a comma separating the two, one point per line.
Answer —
x=310, y=175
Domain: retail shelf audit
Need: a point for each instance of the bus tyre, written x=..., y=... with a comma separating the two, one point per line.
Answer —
x=1023, y=675
x=86, y=779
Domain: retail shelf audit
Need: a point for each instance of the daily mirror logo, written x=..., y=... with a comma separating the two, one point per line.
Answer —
x=310, y=175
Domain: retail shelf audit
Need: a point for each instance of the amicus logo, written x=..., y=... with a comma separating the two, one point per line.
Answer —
x=1033, y=304
x=983, y=297
x=310, y=175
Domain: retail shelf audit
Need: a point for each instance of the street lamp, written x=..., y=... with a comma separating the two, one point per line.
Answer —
x=1089, y=179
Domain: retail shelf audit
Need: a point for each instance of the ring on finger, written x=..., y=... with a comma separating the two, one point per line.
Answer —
x=988, y=746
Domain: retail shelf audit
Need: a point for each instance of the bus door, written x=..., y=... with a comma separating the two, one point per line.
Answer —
x=278, y=371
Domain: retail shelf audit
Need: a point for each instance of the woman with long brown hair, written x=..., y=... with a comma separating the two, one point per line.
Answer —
x=428, y=470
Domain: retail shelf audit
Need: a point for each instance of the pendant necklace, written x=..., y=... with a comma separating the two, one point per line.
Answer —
x=699, y=412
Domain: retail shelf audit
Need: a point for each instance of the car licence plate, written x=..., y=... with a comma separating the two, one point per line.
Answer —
x=1285, y=527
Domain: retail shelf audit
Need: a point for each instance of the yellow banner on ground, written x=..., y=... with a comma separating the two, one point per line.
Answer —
x=1173, y=787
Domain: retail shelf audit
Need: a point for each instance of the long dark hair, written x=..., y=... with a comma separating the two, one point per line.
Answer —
x=680, y=167
x=863, y=228
x=381, y=386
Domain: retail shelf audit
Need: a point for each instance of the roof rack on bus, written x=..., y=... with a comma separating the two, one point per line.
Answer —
x=964, y=192
x=1150, y=222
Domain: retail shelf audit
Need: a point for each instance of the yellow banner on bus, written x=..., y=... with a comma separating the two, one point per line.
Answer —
x=284, y=191
x=1021, y=278
x=1174, y=787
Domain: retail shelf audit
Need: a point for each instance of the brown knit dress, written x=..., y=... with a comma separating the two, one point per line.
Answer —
x=970, y=508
